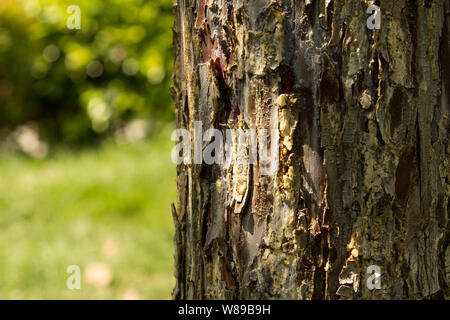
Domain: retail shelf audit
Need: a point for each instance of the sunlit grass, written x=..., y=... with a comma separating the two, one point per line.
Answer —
x=110, y=205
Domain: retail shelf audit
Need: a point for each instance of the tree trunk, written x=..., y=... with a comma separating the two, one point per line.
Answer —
x=363, y=177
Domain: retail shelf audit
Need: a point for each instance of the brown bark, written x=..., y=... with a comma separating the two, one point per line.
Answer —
x=363, y=118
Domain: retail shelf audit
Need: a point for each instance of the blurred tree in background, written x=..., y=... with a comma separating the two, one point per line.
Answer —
x=79, y=85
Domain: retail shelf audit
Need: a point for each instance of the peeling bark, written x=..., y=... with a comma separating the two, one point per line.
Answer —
x=363, y=120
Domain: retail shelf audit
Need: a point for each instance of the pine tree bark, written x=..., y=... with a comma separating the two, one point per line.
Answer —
x=364, y=166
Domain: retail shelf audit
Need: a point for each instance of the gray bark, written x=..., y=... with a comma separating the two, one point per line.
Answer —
x=363, y=119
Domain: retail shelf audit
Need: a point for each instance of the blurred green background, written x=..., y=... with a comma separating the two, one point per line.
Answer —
x=85, y=172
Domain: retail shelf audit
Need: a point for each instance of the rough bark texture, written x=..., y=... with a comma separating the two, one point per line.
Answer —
x=363, y=119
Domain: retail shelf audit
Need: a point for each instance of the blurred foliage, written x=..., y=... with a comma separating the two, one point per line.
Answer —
x=81, y=84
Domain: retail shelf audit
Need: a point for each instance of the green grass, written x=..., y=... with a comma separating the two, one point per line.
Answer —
x=70, y=208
